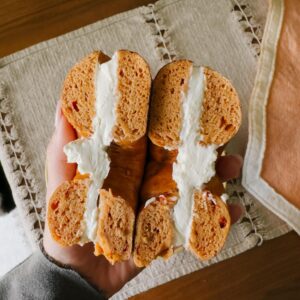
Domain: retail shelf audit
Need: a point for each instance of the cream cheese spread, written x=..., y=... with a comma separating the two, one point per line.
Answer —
x=195, y=164
x=224, y=197
x=149, y=201
x=90, y=153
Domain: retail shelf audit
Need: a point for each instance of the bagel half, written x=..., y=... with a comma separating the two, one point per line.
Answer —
x=106, y=101
x=193, y=112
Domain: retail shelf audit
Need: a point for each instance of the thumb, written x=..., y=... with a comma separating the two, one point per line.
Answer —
x=57, y=168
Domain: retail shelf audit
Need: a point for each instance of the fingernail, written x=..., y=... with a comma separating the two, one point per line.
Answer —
x=57, y=114
x=237, y=212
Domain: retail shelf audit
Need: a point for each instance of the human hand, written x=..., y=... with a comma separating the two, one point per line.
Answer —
x=97, y=270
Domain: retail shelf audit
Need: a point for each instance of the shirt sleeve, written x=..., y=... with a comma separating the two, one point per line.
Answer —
x=39, y=278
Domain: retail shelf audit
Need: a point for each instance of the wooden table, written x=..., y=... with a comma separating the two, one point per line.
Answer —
x=271, y=271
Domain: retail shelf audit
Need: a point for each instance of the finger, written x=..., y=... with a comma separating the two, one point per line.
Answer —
x=229, y=167
x=58, y=113
x=236, y=212
x=58, y=170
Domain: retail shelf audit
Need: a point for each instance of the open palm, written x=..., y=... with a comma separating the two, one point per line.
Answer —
x=97, y=270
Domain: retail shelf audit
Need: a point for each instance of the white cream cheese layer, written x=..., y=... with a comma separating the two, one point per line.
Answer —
x=224, y=197
x=90, y=153
x=195, y=164
x=149, y=201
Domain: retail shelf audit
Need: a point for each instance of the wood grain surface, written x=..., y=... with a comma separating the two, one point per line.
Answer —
x=27, y=22
x=271, y=271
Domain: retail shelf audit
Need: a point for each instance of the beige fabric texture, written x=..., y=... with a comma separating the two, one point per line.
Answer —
x=271, y=171
x=223, y=34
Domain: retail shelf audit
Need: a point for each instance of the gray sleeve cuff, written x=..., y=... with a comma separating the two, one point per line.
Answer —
x=39, y=278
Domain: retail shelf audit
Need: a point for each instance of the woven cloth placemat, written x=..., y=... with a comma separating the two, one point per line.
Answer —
x=223, y=34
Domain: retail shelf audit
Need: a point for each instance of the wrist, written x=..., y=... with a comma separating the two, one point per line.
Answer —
x=77, y=258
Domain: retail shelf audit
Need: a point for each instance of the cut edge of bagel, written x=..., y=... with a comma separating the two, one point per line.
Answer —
x=65, y=213
x=210, y=225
